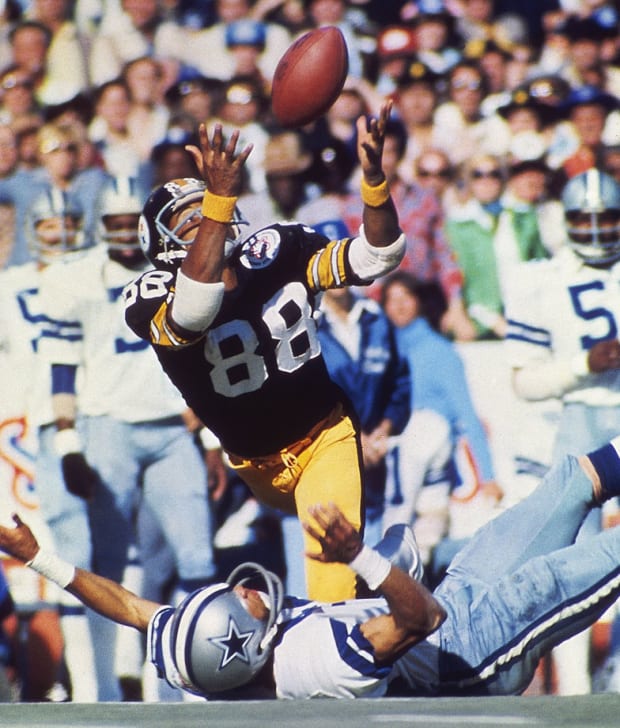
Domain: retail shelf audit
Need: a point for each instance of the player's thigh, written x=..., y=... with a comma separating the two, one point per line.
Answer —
x=333, y=474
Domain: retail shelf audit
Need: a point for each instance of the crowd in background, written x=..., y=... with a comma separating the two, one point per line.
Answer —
x=496, y=106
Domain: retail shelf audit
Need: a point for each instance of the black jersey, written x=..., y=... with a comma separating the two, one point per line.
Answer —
x=256, y=377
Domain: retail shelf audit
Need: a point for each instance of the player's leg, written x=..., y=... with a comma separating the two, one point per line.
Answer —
x=109, y=450
x=176, y=490
x=331, y=472
x=67, y=518
x=495, y=648
x=548, y=519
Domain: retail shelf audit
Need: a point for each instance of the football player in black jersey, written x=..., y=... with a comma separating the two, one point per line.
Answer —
x=231, y=321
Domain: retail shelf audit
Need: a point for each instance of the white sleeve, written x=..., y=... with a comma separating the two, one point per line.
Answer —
x=552, y=378
x=370, y=262
x=195, y=304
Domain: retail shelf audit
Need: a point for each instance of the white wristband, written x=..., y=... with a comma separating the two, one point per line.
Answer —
x=371, y=566
x=67, y=441
x=52, y=567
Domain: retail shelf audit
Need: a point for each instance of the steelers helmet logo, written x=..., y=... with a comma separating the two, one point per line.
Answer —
x=143, y=234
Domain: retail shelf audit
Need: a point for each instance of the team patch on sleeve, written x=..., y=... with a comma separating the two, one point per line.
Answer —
x=260, y=249
x=326, y=268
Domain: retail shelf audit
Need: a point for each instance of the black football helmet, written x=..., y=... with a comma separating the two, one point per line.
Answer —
x=591, y=203
x=55, y=226
x=160, y=237
x=215, y=643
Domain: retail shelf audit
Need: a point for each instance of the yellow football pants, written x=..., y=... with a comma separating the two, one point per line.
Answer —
x=326, y=470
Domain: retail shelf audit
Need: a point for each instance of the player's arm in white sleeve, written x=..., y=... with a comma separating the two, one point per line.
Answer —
x=414, y=612
x=103, y=595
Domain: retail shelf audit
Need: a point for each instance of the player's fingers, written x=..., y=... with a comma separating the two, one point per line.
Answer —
x=17, y=520
x=311, y=531
x=245, y=154
x=232, y=143
x=217, y=138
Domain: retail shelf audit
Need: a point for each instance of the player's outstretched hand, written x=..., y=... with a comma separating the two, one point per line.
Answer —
x=370, y=137
x=18, y=542
x=340, y=541
x=219, y=162
x=80, y=479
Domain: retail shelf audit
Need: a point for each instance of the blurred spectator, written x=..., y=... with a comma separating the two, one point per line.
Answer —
x=242, y=106
x=17, y=98
x=27, y=144
x=524, y=113
x=10, y=14
x=435, y=39
x=208, y=52
x=195, y=98
x=415, y=102
x=447, y=432
x=421, y=218
x=342, y=115
x=245, y=41
x=286, y=166
x=584, y=64
x=588, y=110
x=57, y=150
x=169, y=160
x=148, y=115
x=119, y=146
x=433, y=171
x=611, y=160
x=139, y=30
x=470, y=228
x=460, y=117
x=396, y=46
x=66, y=66
x=29, y=43
x=358, y=342
x=330, y=172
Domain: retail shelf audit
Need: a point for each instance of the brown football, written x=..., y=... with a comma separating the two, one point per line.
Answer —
x=309, y=77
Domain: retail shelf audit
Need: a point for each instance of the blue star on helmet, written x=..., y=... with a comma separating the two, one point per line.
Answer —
x=233, y=645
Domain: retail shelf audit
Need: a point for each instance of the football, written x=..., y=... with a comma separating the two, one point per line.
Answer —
x=309, y=77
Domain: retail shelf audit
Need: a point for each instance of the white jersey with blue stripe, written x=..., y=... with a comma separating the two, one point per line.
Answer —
x=117, y=367
x=25, y=327
x=320, y=651
x=558, y=309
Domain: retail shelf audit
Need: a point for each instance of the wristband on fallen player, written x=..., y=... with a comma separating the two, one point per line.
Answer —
x=375, y=196
x=52, y=567
x=371, y=566
x=67, y=441
x=218, y=208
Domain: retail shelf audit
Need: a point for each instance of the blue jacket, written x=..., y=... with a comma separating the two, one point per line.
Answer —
x=440, y=384
x=378, y=382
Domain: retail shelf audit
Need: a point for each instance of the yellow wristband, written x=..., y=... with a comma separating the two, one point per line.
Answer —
x=375, y=196
x=218, y=208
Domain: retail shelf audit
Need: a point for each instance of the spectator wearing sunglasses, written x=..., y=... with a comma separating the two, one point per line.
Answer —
x=433, y=171
x=460, y=116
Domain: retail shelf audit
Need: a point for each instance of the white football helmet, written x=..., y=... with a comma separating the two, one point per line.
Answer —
x=591, y=203
x=55, y=226
x=216, y=643
x=119, y=197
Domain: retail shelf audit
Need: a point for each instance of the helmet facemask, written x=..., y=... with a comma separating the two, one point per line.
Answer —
x=216, y=643
x=55, y=227
x=180, y=215
x=592, y=213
